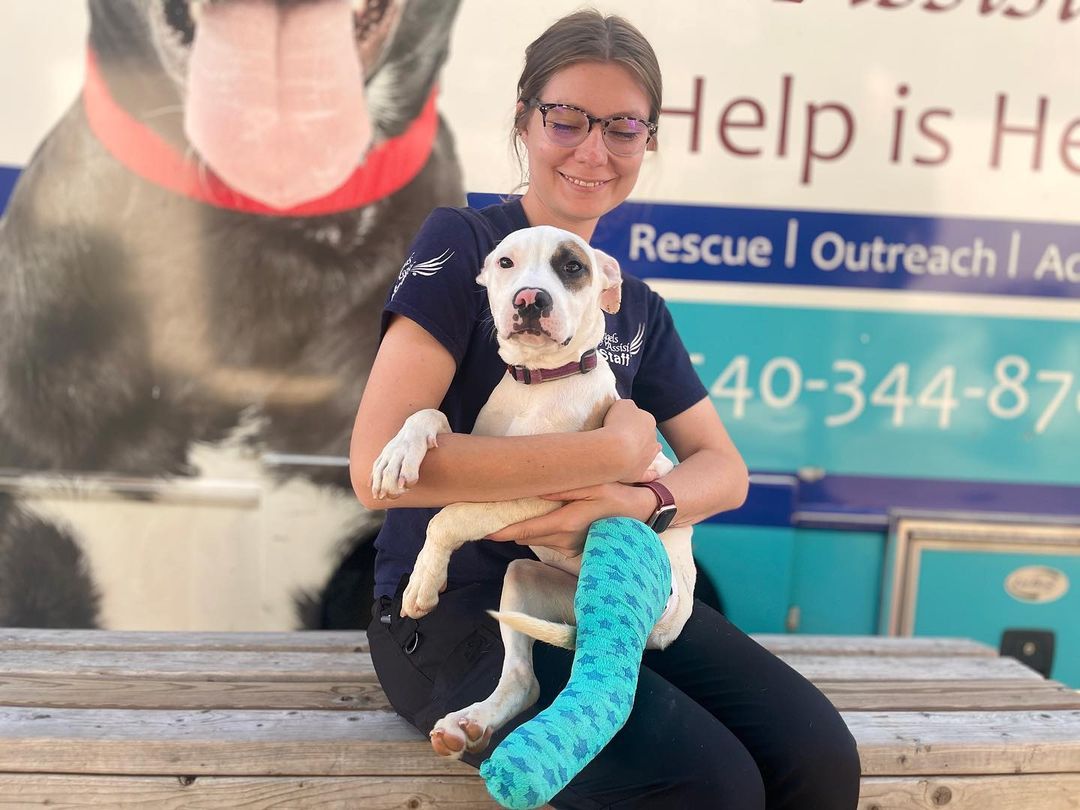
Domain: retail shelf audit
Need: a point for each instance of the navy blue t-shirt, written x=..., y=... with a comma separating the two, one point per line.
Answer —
x=437, y=288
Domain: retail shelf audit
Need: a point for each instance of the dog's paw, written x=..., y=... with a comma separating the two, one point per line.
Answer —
x=398, y=466
x=461, y=732
x=421, y=596
x=426, y=582
x=661, y=465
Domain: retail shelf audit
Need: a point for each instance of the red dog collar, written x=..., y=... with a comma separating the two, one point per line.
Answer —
x=389, y=165
x=530, y=376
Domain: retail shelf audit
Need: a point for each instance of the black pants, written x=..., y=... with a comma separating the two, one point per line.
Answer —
x=718, y=722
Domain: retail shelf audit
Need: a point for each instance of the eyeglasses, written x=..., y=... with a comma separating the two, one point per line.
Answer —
x=568, y=126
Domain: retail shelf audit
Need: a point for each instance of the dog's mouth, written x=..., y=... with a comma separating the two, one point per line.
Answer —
x=275, y=89
x=534, y=335
x=530, y=330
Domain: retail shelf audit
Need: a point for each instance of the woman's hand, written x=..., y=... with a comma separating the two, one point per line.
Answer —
x=635, y=432
x=564, y=529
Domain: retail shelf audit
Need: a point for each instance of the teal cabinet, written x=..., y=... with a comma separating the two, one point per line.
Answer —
x=786, y=579
x=836, y=586
x=751, y=567
x=978, y=578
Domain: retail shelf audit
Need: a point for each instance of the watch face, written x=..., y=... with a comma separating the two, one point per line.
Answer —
x=662, y=519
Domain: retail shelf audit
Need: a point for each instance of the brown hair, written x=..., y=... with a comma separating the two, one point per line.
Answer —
x=587, y=36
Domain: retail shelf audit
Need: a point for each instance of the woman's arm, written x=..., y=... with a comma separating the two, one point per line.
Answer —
x=412, y=371
x=711, y=477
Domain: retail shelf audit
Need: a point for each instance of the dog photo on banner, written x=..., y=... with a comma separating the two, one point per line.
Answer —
x=192, y=266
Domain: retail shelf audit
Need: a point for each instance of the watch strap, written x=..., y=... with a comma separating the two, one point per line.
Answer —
x=662, y=493
x=665, y=505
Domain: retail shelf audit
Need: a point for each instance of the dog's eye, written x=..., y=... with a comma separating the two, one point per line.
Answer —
x=573, y=267
x=178, y=16
x=506, y=263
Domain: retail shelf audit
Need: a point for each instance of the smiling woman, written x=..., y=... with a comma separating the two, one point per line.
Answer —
x=586, y=114
x=574, y=174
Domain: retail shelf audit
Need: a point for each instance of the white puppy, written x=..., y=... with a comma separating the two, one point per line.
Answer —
x=547, y=290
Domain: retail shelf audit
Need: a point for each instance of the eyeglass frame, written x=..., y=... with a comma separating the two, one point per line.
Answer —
x=651, y=127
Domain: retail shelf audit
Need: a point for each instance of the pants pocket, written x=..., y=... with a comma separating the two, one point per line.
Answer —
x=405, y=686
x=469, y=674
x=443, y=662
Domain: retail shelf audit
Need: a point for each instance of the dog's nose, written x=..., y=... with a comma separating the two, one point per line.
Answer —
x=532, y=301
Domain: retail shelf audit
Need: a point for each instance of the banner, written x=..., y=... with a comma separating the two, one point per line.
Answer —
x=864, y=215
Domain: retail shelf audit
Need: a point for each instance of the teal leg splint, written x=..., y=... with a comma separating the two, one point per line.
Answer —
x=624, y=585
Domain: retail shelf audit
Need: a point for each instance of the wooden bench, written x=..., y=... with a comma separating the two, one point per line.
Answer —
x=298, y=720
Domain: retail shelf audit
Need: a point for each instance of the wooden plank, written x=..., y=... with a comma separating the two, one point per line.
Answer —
x=353, y=641
x=908, y=668
x=1034, y=792
x=966, y=743
x=945, y=695
x=216, y=743
x=327, y=641
x=207, y=679
x=295, y=667
x=72, y=691
x=357, y=667
x=1031, y=792
x=298, y=743
x=1044, y=792
x=173, y=793
x=784, y=644
x=161, y=692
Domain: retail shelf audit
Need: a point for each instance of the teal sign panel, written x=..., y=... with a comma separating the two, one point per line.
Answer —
x=892, y=393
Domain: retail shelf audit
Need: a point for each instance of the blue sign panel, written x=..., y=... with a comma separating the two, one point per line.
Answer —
x=861, y=251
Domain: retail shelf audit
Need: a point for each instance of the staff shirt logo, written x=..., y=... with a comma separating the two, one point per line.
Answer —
x=619, y=354
x=425, y=268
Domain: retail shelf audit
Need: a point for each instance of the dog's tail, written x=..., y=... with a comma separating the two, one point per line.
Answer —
x=554, y=633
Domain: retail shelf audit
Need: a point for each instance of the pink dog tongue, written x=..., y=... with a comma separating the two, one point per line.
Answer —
x=275, y=101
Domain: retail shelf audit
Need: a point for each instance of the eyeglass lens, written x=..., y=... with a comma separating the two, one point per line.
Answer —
x=568, y=127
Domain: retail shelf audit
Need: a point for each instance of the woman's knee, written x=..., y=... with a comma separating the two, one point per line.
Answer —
x=825, y=771
x=721, y=780
x=684, y=771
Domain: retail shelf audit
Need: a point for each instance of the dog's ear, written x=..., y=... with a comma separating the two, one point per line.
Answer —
x=610, y=282
x=482, y=279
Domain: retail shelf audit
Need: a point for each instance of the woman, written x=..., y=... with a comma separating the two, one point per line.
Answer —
x=717, y=721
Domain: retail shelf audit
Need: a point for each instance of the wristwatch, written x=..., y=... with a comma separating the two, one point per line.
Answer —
x=665, y=506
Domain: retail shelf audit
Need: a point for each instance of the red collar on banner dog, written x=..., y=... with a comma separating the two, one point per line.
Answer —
x=388, y=167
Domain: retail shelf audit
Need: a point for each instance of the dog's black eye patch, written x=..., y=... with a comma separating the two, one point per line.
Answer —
x=571, y=264
x=506, y=262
